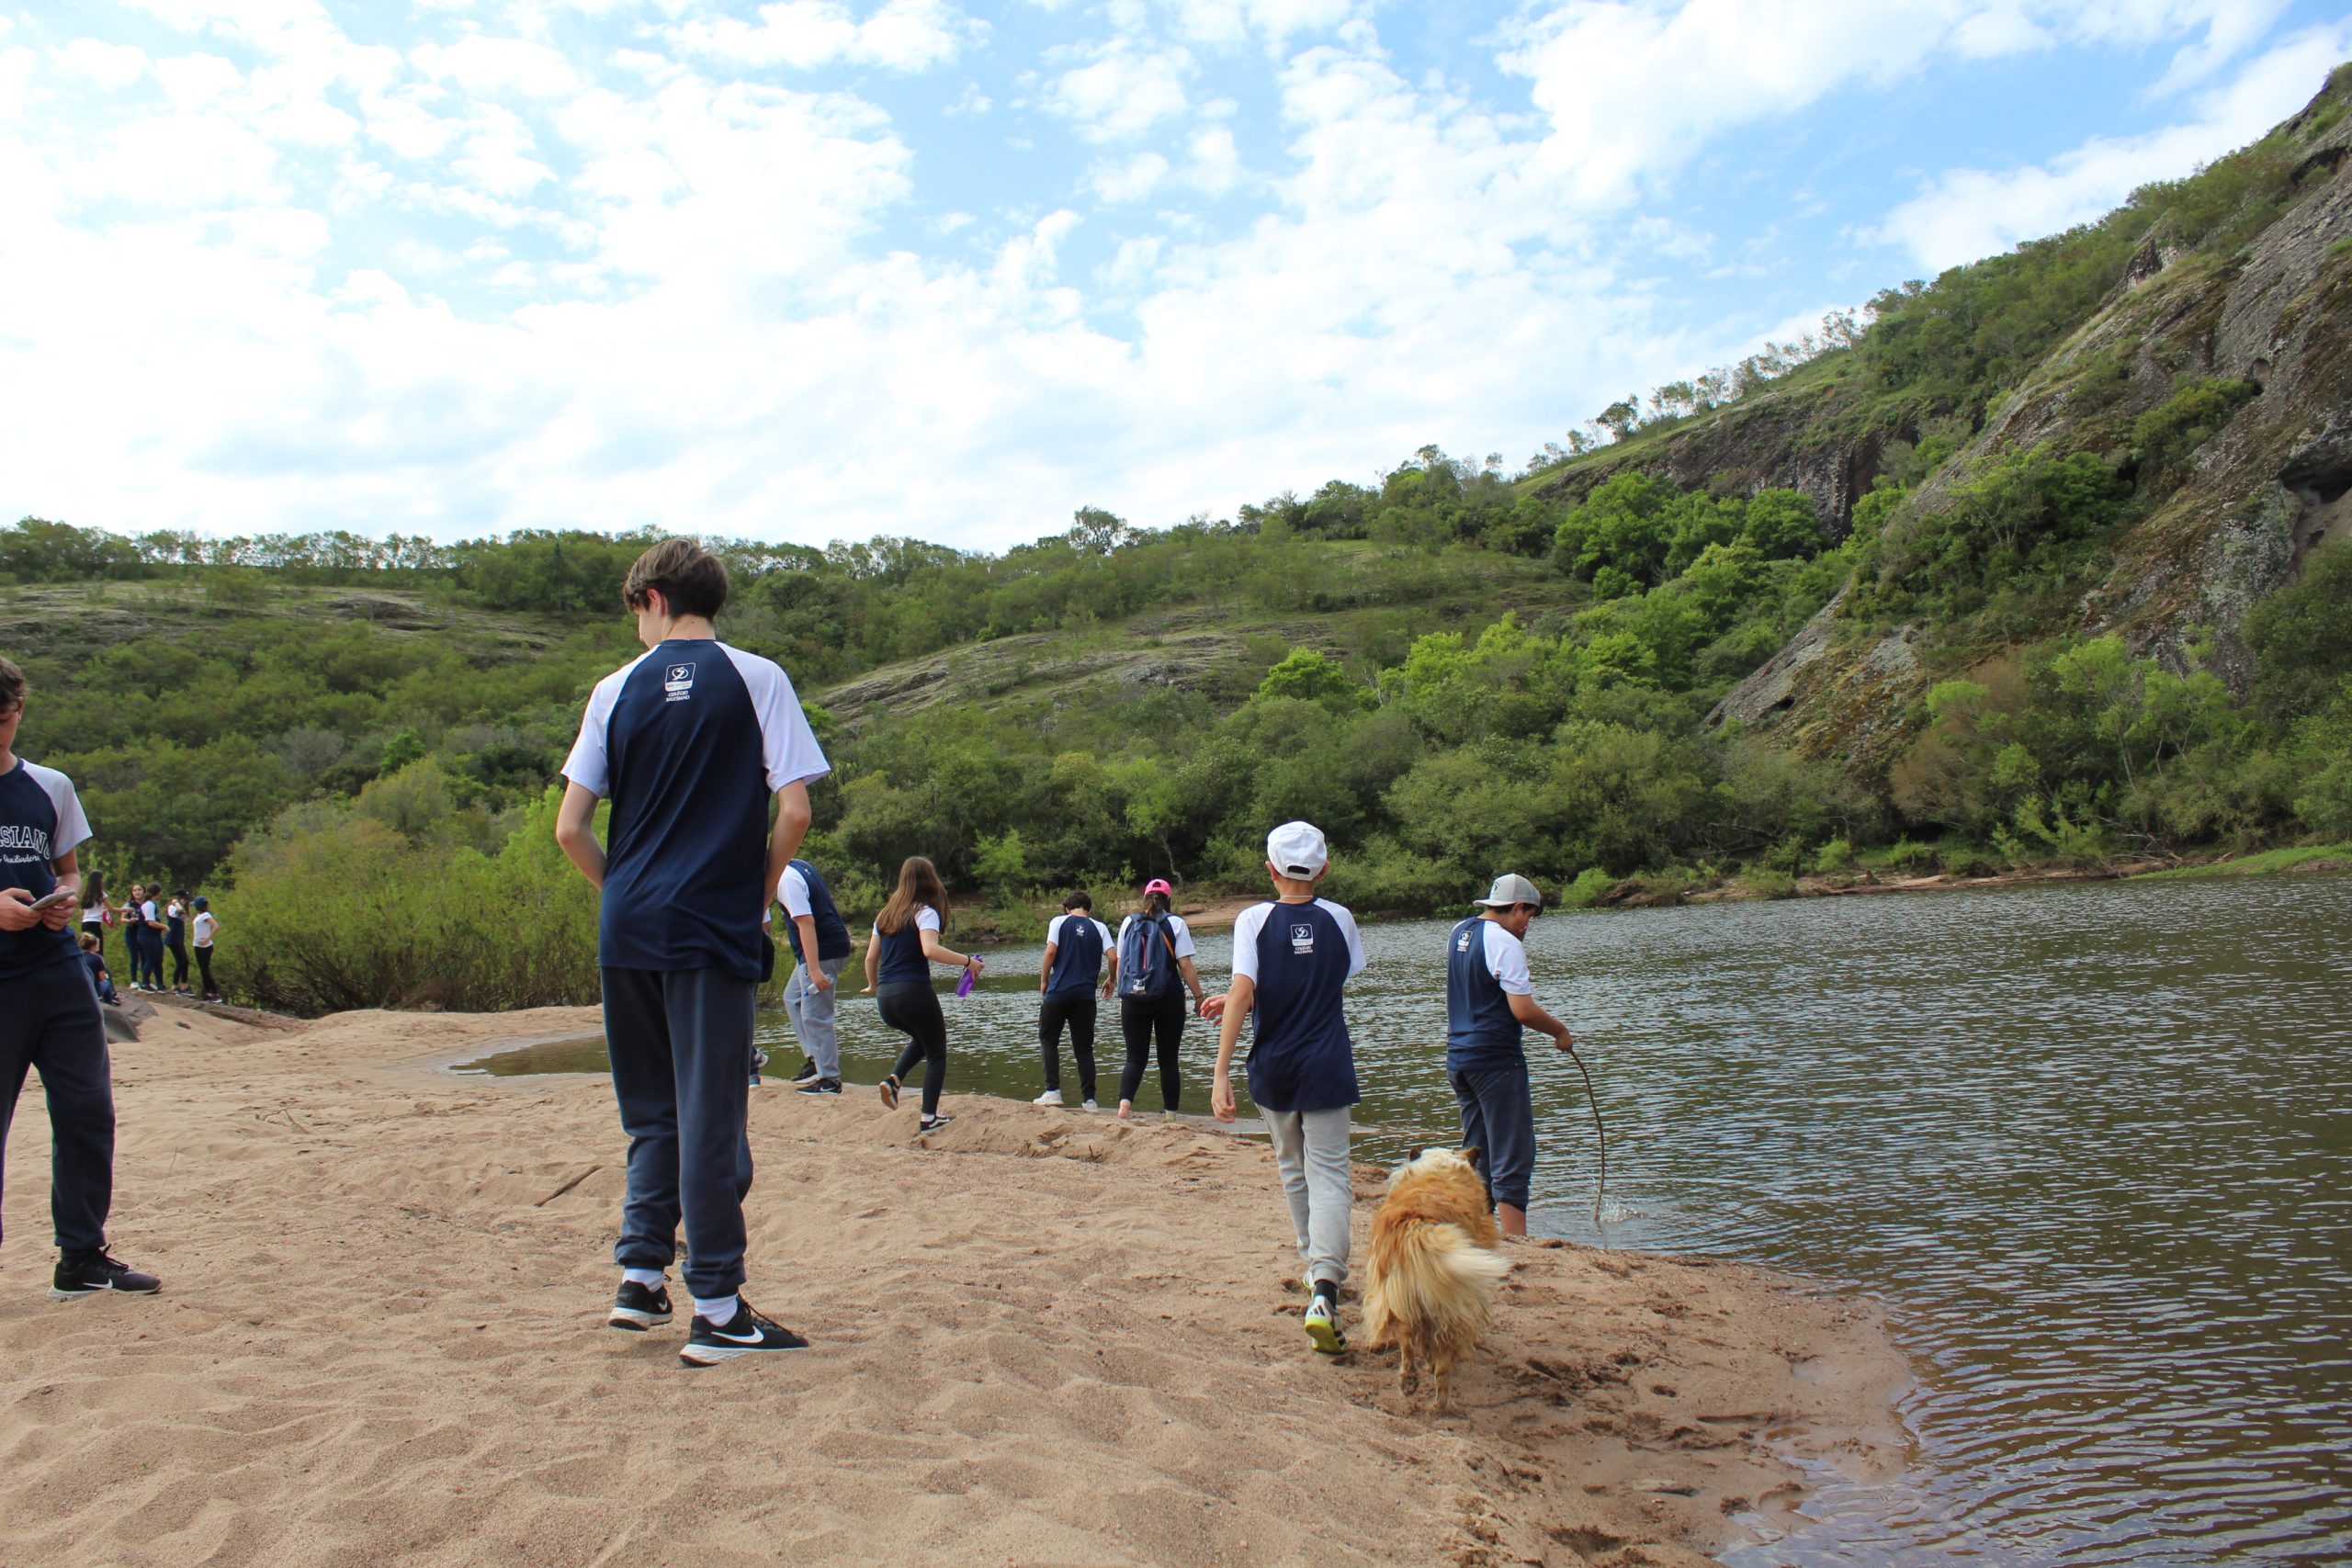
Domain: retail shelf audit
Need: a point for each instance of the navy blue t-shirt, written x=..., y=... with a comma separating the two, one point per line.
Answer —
x=1078, y=946
x=1483, y=964
x=1299, y=957
x=40, y=819
x=688, y=742
x=833, y=932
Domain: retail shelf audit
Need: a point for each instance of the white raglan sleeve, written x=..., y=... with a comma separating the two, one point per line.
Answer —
x=1246, y=927
x=1356, y=943
x=590, y=765
x=787, y=743
x=792, y=892
x=73, y=826
x=1507, y=962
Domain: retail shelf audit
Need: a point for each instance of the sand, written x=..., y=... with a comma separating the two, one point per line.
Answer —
x=1040, y=1337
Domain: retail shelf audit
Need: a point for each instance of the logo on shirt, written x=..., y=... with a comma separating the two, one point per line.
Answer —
x=1302, y=937
x=12, y=837
x=678, y=683
x=1462, y=943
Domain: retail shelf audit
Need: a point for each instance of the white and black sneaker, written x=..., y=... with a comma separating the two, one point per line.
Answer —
x=808, y=1073
x=87, y=1273
x=821, y=1086
x=748, y=1333
x=640, y=1308
x=934, y=1123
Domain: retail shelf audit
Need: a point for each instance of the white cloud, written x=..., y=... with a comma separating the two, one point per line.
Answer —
x=1965, y=214
x=1128, y=179
x=1122, y=91
x=108, y=65
x=901, y=35
x=1216, y=165
x=483, y=64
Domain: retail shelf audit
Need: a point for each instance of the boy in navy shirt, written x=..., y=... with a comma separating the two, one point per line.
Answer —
x=690, y=743
x=48, y=1013
x=1291, y=960
x=1489, y=1001
x=820, y=945
x=1076, y=945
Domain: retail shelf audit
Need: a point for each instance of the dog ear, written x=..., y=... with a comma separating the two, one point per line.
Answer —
x=1414, y=1153
x=1477, y=1159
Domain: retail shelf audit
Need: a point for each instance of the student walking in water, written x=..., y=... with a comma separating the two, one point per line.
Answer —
x=1076, y=944
x=1489, y=1003
x=203, y=929
x=821, y=946
x=693, y=743
x=905, y=943
x=1155, y=954
x=1291, y=960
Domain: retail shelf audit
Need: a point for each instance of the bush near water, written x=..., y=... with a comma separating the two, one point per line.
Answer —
x=353, y=743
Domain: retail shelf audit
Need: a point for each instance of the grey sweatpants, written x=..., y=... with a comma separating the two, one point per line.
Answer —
x=1311, y=1148
x=812, y=1011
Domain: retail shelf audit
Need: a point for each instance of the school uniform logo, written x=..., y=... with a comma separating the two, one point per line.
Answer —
x=678, y=683
x=1302, y=937
x=1462, y=944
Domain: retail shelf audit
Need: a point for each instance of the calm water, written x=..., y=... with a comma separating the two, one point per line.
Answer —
x=2092, y=1144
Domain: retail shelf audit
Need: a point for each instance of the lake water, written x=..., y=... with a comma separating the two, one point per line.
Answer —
x=2090, y=1143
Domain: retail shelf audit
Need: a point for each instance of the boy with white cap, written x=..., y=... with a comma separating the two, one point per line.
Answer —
x=1489, y=1001
x=1291, y=960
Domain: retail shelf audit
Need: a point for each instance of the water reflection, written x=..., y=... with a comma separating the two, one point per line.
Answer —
x=2092, y=1143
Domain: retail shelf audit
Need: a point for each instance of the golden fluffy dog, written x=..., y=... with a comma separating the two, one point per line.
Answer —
x=1432, y=1271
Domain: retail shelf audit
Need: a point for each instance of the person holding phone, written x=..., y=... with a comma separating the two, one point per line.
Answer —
x=49, y=1021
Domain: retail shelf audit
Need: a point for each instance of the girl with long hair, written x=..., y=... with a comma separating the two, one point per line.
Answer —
x=1155, y=954
x=96, y=913
x=905, y=943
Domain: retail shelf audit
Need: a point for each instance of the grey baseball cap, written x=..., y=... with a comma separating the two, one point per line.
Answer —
x=1511, y=888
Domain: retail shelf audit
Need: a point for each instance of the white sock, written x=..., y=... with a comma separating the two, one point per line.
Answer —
x=719, y=1312
x=649, y=1277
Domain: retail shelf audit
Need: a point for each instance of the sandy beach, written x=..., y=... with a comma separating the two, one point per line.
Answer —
x=1040, y=1337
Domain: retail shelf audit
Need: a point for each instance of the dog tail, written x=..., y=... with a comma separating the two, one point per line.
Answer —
x=1435, y=1277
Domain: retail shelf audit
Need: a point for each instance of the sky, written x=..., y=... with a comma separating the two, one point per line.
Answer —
x=823, y=269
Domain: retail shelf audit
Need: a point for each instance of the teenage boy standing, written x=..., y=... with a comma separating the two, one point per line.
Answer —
x=820, y=945
x=1291, y=959
x=1489, y=1001
x=1076, y=945
x=48, y=1013
x=689, y=742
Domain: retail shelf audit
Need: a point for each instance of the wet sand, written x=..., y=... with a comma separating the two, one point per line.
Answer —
x=1040, y=1337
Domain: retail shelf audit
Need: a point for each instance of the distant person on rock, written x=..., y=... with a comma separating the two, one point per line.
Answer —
x=203, y=929
x=1155, y=968
x=1076, y=945
x=905, y=944
x=1489, y=1005
x=176, y=940
x=1292, y=959
x=96, y=963
x=150, y=932
x=96, y=913
x=691, y=743
x=49, y=1021
x=821, y=946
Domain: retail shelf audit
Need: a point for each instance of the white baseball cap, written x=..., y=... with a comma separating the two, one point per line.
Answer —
x=1296, y=848
x=1511, y=888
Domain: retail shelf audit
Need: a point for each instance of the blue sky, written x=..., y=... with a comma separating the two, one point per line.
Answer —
x=827, y=268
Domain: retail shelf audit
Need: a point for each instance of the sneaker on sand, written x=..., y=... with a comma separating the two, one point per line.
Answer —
x=748, y=1333
x=934, y=1123
x=1051, y=1097
x=1090, y=1105
x=1323, y=1320
x=640, y=1308
x=821, y=1086
x=87, y=1273
x=808, y=1073
x=890, y=1090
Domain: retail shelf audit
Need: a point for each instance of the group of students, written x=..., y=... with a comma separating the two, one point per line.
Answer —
x=150, y=932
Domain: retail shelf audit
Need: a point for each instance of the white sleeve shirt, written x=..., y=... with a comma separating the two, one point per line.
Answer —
x=789, y=747
x=792, y=892
x=1507, y=961
x=1253, y=919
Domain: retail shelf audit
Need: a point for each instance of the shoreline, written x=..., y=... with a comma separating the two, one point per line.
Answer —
x=379, y=1340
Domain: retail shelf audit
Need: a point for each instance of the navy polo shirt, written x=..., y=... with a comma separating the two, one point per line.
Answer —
x=689, y=742
x=1079, y=943
x=40, y=819
x=1299, y=957
x=1485, y=966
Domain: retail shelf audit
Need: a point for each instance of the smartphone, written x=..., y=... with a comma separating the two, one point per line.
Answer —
x=60, y=896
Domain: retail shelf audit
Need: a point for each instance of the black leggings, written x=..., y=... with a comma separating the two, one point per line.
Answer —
x=1079, y=1013
x=178, y=950
x=912, y=1007
x=1139, y=1019
x=204, y=965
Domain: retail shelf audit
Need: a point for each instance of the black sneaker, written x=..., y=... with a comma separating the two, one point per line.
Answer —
x=87, y=1273
x=640, y=1308
x=821, y=1086
x=748, y=1333
x=934, y=1123
x=808, y=1073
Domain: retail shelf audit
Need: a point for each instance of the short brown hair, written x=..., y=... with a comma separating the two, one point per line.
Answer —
x=691, y=578
x=12, y=686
